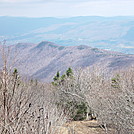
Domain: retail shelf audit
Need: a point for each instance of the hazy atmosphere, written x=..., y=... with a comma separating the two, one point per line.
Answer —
x=66, y=8
x=66, y=66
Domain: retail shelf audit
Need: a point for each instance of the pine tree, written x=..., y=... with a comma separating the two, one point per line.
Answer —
x=69, y=72
x=63, y=77
x=57, y=76
x=115, y=81
x=15, y=73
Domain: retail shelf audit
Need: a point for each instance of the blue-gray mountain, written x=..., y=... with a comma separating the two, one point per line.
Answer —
x=41, y=61
x=113, y=33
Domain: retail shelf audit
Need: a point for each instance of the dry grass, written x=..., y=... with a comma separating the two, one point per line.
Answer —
x=83, y=127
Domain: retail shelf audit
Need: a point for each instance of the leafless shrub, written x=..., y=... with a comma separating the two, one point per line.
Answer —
x=109, y=97
x=27, y=106
x=112, y=104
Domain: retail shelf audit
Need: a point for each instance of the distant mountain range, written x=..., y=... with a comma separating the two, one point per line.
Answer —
x=111, y=33
x=42, y=61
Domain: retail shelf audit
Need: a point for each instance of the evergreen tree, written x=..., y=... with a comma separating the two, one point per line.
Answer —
x=57, y=76
x=69, y=72
x=58, y=80
x=15, y=73
x=63, y=77
x=116, y=81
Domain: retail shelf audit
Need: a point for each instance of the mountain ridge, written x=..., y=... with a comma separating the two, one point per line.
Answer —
x=41, y=61
x=113, y=33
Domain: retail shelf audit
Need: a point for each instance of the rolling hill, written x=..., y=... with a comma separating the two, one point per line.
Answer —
x=112, y=33
x=41, y=61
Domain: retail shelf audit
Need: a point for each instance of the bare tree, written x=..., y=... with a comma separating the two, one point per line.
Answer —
x=27, y=106
x=109, y=97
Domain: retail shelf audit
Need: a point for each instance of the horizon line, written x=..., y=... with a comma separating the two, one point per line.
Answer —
x=68, y=16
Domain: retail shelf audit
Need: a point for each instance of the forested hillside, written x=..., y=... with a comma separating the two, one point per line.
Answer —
x=103, y=103
x=41, y=61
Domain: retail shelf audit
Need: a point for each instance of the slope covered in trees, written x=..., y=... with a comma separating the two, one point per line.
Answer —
x=41, y=61
x=29, y=106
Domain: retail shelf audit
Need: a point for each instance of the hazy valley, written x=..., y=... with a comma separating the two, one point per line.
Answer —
x=77, y=77
x=110, y=33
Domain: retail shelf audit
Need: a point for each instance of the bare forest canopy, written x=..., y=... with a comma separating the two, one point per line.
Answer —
x=29, y=106
x=41, y=61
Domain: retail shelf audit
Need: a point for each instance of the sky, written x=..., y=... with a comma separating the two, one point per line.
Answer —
x=66, y=8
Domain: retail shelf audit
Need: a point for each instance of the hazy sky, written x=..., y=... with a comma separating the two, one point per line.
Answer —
x=66, y=8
